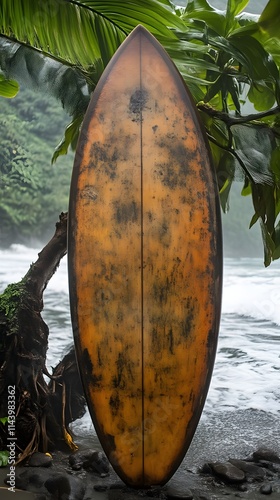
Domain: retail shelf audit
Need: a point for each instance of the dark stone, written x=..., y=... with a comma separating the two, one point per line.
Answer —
x=66, y=487
x=228, y=472
x=205, y=469
x=156, y=492
x=30, y=479
x=91, y=460
x=266, y=489
x=121, y=495
x=40, y=460
x=117, y=486
x=179, y=493
x=242, y=487
x=254, y=471
x=266, y=454
x=100, y=487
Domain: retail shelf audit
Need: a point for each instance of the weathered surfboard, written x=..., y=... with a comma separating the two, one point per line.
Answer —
x=145, y=262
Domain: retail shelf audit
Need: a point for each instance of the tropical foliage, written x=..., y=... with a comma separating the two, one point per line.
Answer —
x=227, y=58
x=33, y=192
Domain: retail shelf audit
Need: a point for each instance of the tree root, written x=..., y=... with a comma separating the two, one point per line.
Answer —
x=43, y=410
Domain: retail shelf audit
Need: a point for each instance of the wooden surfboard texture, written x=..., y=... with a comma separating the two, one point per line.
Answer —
x=145, y=262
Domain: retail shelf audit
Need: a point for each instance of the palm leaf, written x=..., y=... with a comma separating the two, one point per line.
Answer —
x=74, y=30
x=31, y=68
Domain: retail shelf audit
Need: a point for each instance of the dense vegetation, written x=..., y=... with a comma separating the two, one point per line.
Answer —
x=33, y=191
x=226, y=57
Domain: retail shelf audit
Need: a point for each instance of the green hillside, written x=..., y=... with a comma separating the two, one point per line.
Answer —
x=33, y=192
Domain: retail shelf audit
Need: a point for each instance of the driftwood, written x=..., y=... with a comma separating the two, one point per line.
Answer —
x=43, y=410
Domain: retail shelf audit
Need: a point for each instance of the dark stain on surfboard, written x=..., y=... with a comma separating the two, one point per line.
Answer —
x=115, y=404
x=154, y=128
x=88, y=369
x=174, y=173
x=99, y=357
x=99, y=155
x=171, y=341
x=126, y=212
x=160, y=291
x=137, y=104
x=187, y=326
x=164, y=234
x=150, y=216
x=123, y=371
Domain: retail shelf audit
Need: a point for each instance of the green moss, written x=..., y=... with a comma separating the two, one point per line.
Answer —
x=10, y=299
x=4, y=457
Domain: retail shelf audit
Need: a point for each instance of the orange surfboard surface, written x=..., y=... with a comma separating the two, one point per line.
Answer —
x=145, y=262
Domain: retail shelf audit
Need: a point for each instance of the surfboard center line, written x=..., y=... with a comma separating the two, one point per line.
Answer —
x=142, y=259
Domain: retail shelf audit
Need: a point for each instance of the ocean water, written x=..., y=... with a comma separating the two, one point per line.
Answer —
x=247, y=368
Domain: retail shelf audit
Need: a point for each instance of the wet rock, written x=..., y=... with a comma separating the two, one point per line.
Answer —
x=242, y=487
x=121, y=495
x=178, y=493
x=90, y=460
x=267, y=455
x=254, y=471
x=156, y=492
x=40, y=460
x=228, y=472
x=205, y=469
x=100, y=487
x=266, y=489
x=65, y=487
x=31, y=479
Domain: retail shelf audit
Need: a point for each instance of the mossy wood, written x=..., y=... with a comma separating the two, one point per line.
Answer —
x=145, y=262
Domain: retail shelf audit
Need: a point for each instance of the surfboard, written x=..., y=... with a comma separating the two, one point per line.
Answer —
x=145, y=262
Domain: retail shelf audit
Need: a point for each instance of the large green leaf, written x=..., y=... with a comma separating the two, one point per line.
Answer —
x=8, y=88
x=259, y=63
x=269, y=20
x=254, y=146
x=84, y=32
x=262, y=95
x=35, y=70
x=70, y=137
x=234, y=7
x=200, y=10
x=157, y=16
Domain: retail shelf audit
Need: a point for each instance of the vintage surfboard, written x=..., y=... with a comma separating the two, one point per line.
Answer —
x=145, y=262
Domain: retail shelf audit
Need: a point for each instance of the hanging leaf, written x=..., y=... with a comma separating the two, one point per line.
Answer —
x=70, y=138
x=258, y=61
x=262, y=95
x=8, y=88
x=254, y=145
x=34, y=70
x=234, y=7
x=268, y=244
x=246, y=190
x=269, y=20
